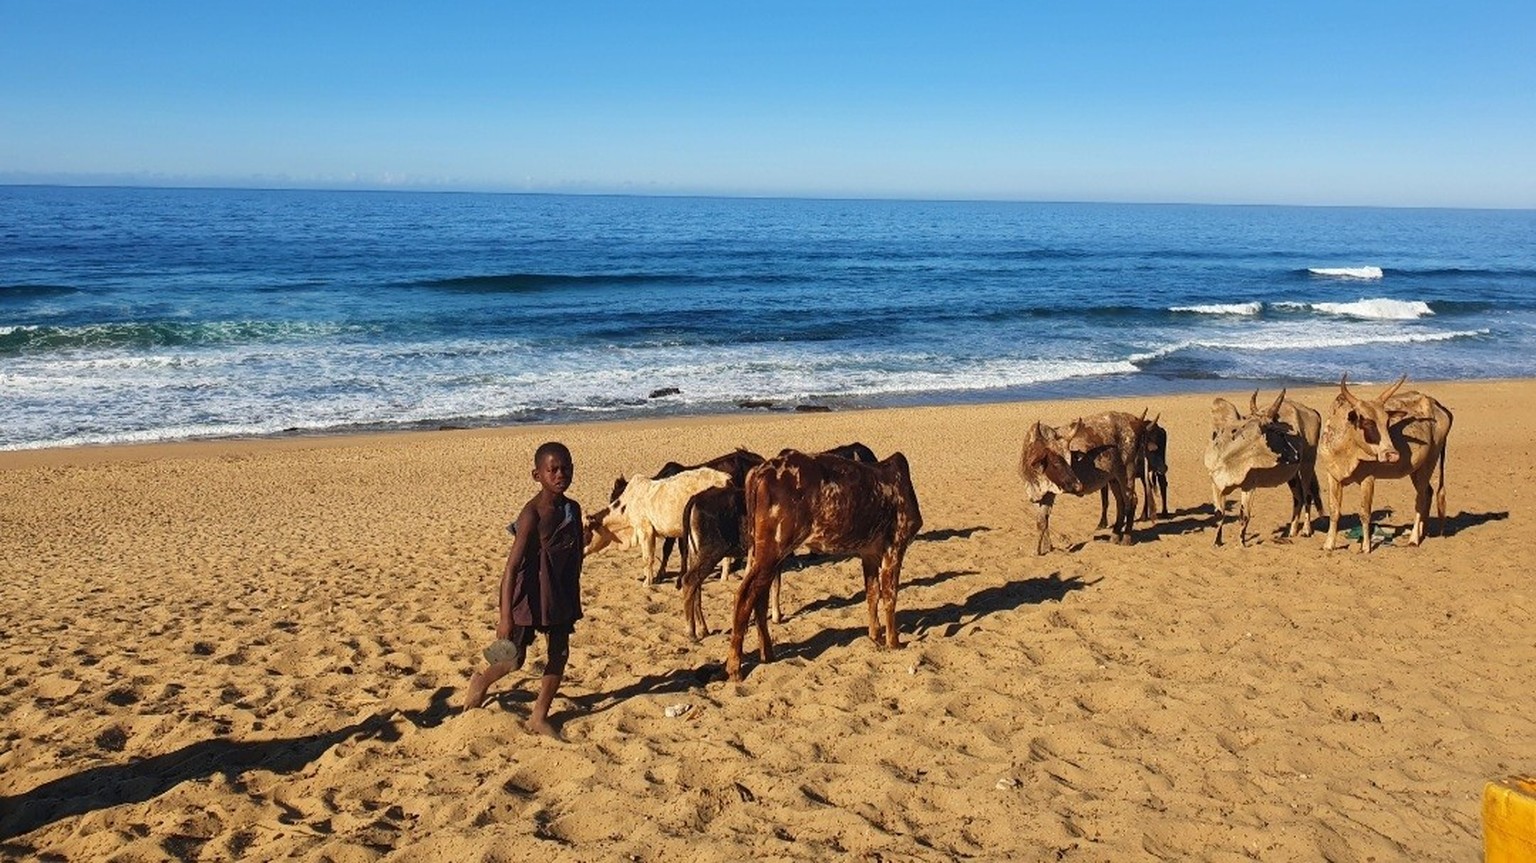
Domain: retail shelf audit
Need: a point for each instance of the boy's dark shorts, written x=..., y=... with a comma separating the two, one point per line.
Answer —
x=523, y=635
x=512, y=648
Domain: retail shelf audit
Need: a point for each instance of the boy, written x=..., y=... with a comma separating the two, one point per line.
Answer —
x=540, y=586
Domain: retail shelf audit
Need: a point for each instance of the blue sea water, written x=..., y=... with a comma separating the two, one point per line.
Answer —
x=133, y=314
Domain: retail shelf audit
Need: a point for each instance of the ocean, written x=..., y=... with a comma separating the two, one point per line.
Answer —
x=135, y=314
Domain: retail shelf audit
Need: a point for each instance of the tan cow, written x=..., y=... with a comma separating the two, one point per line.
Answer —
x=1100, y=451
x=1265, y=449
x=648, y=509
x=1396, y=434
x=836, y=506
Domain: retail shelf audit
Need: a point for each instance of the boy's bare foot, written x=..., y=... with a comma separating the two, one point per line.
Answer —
x=543, y=726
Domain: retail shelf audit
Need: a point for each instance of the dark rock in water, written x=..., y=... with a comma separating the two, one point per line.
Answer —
x=812, y=409
x=452, y=428
x=754, y=403
x=664, y=391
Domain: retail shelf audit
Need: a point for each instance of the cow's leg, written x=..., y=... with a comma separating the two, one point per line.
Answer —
x=1335, y=503
x=871, y=564
x=1103, y=507
x=645, y=537
x=1146, y=504
x=1244, y=515
x=1221, y=511
x=890, y=582
x=1367, y=493
x=764, y=639
x=1162, y=487
x=1125, y=509
x=1423, y=492
x=666, y=552
x=1043, y=523
x=759, y=571
x=1306, y=484
x=693, y=611
x=1298, y=501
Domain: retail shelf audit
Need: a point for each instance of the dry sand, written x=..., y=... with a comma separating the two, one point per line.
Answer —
x=256, y=650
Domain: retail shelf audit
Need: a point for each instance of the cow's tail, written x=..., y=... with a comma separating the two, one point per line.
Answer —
x=682, y=541
x=1440, y=487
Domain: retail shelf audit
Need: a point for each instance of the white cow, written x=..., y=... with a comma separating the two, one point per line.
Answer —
x=647, y=509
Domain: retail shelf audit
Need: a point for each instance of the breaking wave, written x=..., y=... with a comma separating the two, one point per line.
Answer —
x=1252, y=308
x=1303, y=341
x=1347, y=272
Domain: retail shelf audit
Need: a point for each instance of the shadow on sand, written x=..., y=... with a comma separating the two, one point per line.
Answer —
x=952, y=616
x=145, y=779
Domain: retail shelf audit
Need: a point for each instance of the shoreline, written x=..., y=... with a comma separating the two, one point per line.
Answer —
x=1046, y=393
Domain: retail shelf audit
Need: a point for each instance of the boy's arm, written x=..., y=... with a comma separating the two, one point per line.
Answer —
x=527, y=523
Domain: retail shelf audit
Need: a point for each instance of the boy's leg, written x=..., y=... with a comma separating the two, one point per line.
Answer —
x=558, y=642
x=500, y=666
x=480, y=681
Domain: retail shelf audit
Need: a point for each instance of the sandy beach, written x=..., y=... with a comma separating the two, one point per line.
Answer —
x=256, y=649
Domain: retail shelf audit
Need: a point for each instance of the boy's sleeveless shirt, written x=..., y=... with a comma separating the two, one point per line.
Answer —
x=546, y=589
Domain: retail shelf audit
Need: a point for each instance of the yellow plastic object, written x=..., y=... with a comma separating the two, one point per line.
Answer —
x=1509, y=820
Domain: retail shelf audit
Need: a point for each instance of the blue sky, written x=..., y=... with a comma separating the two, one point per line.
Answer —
x=1389, y=103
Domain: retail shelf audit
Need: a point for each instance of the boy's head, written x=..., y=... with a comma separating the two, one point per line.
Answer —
x=552, y=467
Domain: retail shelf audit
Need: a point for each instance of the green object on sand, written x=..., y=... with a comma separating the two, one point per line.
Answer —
x=1378, y=535
x=501, y=650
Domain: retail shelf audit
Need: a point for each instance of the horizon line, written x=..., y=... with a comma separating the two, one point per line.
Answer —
x=745, y=196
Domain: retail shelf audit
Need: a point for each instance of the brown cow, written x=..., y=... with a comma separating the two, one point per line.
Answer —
x=1394, y=435
x=1265, y=449
x=1152, y=470
x=715, y=525
x=832, y=505
x=1090, y=454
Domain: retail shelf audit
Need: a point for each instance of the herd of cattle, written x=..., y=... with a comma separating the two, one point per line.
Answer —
x=742, y=507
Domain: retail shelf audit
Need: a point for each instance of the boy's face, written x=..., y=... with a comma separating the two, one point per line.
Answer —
x=553, y=473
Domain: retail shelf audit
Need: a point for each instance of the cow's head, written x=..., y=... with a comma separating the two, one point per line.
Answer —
x=1085, y=444
x=1045, y=464
x=1367, y=420
x=1242, y=444
x=608, y=526
x=1154, y=444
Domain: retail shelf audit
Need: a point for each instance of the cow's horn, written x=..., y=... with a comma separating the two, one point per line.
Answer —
x=1393, y=389
x=1344, y=389
x=1253, y=403
x=1274, y=409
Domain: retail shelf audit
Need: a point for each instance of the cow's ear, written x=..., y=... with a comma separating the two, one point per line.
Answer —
x=1224, y=412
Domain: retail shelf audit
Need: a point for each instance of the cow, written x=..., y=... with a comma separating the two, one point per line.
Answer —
x=736, y=463
x=1396, y=434
x=714, y=524
x=647, y=509
x=714, y=530
x=1091, y=453
x=1152, y=470
x=1265, y=449
x=834, y=505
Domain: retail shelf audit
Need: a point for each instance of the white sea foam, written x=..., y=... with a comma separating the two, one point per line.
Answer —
x=1347, y=272
x=1380, y=309
x=1252, y=308
x=1310, y=339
